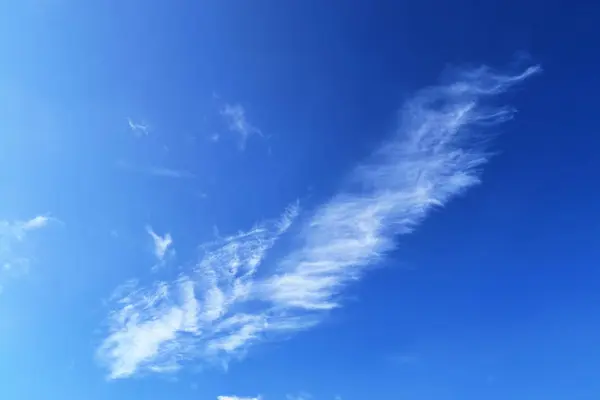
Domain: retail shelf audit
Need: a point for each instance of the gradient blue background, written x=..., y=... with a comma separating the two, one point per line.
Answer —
x=494, y=297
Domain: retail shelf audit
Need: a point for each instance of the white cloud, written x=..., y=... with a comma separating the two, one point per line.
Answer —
x=161, y=243
x=17, y=230
x=434, y=156
x=13, y=259
x=237, y=122
x=238, y=299
x=35, y=223
x=145, y=328
x=160, y=172
x=138, y=128
x=155, y=329
x=299, y=396
x=167, y=172
x=237, y=398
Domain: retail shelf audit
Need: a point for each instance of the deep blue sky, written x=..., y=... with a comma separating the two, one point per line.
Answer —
x=130, y=125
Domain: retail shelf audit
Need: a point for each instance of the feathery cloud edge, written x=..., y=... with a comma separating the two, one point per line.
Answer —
x=218, y=310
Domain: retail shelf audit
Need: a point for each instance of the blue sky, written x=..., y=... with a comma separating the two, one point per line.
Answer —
x=299, y=200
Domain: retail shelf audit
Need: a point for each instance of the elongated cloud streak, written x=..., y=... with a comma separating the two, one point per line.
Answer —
x=160, y=172
x=236, y=398
x=435, y=155
x=231, y=300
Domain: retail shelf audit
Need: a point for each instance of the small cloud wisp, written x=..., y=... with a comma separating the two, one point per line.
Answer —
x=237, y=296
x=237, y=122
x=12, y=235
x=157, y=171
x=161, y=243
x=138, y=128
x=299, y=396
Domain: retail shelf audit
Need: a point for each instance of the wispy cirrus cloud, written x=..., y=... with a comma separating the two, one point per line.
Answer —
x=138, y=128
x=13, y=232
x=159, y=172
x=435, y=155
x=13, y=261
x=299, y=396
x=152, y=328
x=161, y=243
x=234, y=299
x=167, y=172
x=237, y=398
x=237, y=122
x=155, y=329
